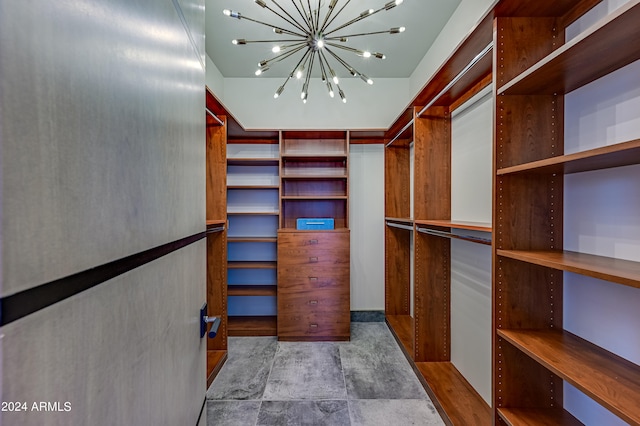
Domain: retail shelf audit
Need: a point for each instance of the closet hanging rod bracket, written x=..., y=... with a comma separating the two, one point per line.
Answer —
x=215, y=117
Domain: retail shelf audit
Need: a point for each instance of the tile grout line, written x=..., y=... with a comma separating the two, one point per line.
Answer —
x=346, y=391
x=273, y=361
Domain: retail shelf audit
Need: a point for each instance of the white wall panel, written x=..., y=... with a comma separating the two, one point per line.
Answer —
x=126, y=352
x=366, y=221
x=102, y=130
x=471, y=194
x=601, y=217
x=102, y=134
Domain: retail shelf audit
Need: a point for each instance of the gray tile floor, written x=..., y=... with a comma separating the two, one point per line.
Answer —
x=366, y=381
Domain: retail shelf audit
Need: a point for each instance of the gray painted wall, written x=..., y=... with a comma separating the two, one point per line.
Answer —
x=102, y=139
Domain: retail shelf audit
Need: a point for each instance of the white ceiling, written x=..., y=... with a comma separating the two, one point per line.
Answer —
x=423, y=20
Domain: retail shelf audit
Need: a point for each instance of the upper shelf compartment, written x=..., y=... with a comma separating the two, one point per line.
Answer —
x=610, y=44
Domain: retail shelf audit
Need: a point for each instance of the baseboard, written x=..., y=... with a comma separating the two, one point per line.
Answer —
x=367, y=316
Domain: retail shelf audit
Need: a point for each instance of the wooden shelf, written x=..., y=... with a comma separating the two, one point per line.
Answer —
x=310, y=176
x=215, y=361
x=537, y=416
x=253, y=161
x=253, y=213
x=316, y=197
x=607, y=46
x=618, y=155
x=472, y=226
x=402, y=328
x=253, y=186
x=252, y=290
x=461, y=403
x=315, y=156
x=251, y=265
x=605, y=268
x=252, y=239
x=609, y=379
x=252, y=326
x=212, y=223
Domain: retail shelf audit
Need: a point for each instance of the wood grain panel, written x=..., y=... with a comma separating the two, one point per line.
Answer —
x=215, y=361
x=537, y=417
x=520, y=382
x=396, y=175
x=397, y=271
x=216, y=166
x=315, y=301
x=432, y=185
x=293, y=279
x=252, y=326
x=521, y=42
x=459, y=400
x=325, y=325
x=529, y=128
x=401, y=327
x=432, y=298
x=217, y=287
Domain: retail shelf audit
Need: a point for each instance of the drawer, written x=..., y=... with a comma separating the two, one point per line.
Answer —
x=310, y=325
x=308, y=280
x=314, y=301
x=313, y=257
x=317, y=240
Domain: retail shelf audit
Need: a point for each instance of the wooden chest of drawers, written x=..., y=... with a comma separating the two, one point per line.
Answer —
x=313, y=285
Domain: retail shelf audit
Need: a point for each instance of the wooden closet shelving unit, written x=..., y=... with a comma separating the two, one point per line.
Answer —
x=314, y=265
x=216, y=205
x=533, y=355
x=426, y=127
x=253, y=212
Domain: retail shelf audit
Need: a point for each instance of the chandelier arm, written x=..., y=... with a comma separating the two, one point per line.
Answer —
x=358, y=35
x=318, y=15
x=273, y=41
x=292, y=22
x=299, y=25
x=345, y=64
x=322, y=71
x=324, y=21
x=284, y=55
x=305, y=87
x=324, y=27
x=303, y=14
x=274, y=26
x=356, y=19
x=328, y=66
x=348, y=49
x=313, y=24
x=298, y=64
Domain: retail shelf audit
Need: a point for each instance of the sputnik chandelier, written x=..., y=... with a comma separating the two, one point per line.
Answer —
x=315, y=40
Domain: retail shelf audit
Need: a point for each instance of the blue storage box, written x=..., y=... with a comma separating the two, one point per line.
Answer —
x=306, y=223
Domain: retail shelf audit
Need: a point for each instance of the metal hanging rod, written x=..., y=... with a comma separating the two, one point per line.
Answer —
x=215, y=117
x=406, y=126
x=397, y=225
x=449, y=235
x=457, y=78
x=216, y=229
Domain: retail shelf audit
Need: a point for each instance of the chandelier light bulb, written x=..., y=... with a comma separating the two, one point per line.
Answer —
x=276, y=49
x=379, y=55
x=366, y=13
x=232, y=13
x=320, y=44
x=278, y=92
x=261, y=3
x=366, y=54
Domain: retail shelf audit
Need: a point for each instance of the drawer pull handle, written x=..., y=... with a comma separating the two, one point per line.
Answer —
x=313, y=302
x=313, y=279
x=313, y=260
x=313, y=242
x=315, y=326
